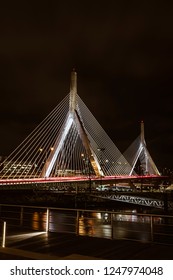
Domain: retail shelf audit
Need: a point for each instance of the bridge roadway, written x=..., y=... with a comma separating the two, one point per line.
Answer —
x=70, y=179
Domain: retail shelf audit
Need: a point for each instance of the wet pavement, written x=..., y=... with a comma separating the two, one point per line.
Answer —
x=41, y=245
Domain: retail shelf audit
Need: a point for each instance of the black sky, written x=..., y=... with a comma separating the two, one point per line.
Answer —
x=122, y=52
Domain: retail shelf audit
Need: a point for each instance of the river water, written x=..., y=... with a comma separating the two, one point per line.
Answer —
x=122, y=224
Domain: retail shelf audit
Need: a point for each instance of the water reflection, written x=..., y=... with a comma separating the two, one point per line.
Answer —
x=62, y=221
x=115, y=225
x=86, y=225
x=126, y=225
x=38, y=220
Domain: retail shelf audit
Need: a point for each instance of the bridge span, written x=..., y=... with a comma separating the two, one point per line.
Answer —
x=102, y=179
x=138, y=200
x=123, y=189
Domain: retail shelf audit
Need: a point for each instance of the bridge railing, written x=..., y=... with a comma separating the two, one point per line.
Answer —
x=94, y=223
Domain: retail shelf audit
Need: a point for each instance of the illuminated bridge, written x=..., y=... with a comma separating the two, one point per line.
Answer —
x=69, y=145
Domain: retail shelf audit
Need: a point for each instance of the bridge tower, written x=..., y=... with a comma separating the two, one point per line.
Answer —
x=147, y=165
x=68, y=142
x=72, y=118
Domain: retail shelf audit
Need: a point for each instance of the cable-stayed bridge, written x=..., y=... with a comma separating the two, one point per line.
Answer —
x=70, y=145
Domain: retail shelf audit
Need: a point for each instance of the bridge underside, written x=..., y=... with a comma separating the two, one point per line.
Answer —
x=95, y=192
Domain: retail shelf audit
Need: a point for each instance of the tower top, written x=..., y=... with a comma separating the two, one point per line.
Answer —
x=73, y=90
x=142, y=132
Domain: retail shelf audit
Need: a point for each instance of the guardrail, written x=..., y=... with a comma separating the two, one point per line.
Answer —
x=94, y=223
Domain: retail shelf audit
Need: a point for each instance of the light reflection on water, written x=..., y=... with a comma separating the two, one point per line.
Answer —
x=124, y=226
x=38, y=220
x=97, y=224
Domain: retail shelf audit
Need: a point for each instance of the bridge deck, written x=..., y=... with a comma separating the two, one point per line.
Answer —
x=105, y=179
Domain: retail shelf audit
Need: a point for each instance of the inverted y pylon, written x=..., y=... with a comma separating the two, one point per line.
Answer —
x=72, y=117
x=138, y=152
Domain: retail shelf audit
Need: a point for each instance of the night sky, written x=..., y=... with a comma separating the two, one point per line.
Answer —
x=122, y=52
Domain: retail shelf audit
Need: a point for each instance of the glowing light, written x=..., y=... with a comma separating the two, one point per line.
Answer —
x=4, y=235
x=47, y=220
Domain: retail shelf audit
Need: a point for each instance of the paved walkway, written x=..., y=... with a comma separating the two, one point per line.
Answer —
x=42, y=246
